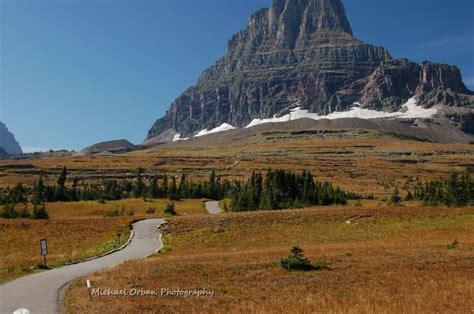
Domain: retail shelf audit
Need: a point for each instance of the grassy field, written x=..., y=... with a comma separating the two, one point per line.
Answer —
x=383, y=260
x=75, y=231
x=367, y=163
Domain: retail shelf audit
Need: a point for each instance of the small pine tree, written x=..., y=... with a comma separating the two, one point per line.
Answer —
x=38, y=192
x=395, y=199
x=296, y=261
x=139, y=189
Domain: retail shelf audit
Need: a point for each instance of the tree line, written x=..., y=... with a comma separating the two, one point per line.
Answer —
x=152, y=187
x=454, y=190
x=277, y=190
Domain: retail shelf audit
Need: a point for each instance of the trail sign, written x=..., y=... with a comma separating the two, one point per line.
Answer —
x=44, y=247
x=44, y=250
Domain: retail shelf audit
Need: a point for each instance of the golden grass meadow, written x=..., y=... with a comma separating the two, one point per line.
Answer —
x=386, y=259
x=383, y=259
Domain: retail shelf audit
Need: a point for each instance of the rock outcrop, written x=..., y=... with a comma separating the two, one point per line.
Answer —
x=302, y=52
x=8, y=141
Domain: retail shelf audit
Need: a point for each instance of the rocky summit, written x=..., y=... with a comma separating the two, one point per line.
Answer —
x=302, y=53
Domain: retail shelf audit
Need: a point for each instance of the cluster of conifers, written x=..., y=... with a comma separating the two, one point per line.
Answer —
x=276, y=190
x=455, y=190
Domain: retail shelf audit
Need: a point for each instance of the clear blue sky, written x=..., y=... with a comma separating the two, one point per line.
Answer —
x=76, y=72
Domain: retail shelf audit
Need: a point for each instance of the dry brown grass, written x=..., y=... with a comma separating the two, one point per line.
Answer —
x=68, y=240
x=388, y=260
x=369, y=163
x=138, y=206
x=75, y=231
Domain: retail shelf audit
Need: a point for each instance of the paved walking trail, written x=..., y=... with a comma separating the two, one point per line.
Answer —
x=39, y=292
x=213, y=208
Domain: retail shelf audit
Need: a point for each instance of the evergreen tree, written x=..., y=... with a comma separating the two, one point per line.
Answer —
x=153, y=188
x=38, y=196
x=139, y=189
x=183, y=188
x=24, y=213
x=395, y=198
x=39, y=212
x=212, y=186
x=61, y=192
x=9, y=211
x=164, y=185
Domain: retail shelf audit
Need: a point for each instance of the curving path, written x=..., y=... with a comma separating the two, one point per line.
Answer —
x=213, y=208
x=40, y=292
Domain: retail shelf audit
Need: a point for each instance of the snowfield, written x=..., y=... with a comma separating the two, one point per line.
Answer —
x=178, y=138
x=223, y=127
x=410, y=110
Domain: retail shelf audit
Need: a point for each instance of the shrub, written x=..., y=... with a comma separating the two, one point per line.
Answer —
x=453, y=244
x=296, y=261
x=130, y=212
x=169, y=210
x=395, y=198
x=113, y=213
x=39, y=212
x=150, y=211
x=9, y=212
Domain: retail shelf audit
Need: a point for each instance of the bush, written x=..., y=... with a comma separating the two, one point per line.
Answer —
x=296, y=261
x=9, y=212
x=39, y=212
x=150, y=211
x=395, y=199
x=112, y=213
x=453, y=244
x=169, y=210
x=130, y=212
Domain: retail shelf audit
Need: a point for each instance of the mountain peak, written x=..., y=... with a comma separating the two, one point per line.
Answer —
x=312, y=16
x=292, y=24
x=303, y=53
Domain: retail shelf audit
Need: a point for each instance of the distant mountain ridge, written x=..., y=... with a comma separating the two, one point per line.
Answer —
x=8, y=141
x=303, y=53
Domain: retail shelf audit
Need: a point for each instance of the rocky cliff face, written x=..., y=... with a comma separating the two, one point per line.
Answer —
x=8, y=142
x=302, y=52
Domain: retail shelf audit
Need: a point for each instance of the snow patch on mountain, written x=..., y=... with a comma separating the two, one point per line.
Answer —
x=410, y=110
x=178, y=138
x=222, y=128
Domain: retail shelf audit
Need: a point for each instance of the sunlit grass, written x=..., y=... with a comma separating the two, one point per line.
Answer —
x=75, y=230
x=386, y=259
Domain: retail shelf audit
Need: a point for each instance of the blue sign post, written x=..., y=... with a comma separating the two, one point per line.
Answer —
x=44, y=250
